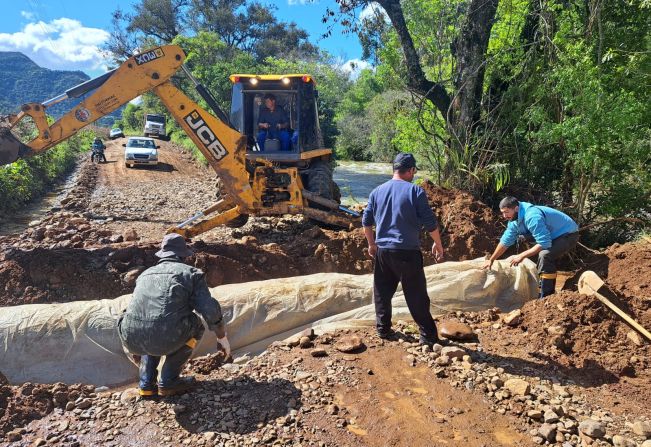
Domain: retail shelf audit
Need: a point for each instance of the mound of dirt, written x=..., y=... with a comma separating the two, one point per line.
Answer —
x=469, y=228
x=62, y=229
x=629, y=269
x=79, y=198
x=579, y=331
x=575, y=337
x=580, y=334
x=27, y=402
x=55, y=269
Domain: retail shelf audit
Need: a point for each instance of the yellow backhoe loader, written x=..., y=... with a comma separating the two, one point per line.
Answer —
x=294, y=180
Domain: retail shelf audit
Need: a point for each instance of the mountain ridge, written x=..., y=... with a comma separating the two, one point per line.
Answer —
x=22, y=80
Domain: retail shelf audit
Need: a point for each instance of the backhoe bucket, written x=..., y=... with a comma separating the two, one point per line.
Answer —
x=11, y=148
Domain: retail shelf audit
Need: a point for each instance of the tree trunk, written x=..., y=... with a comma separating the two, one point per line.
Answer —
x=471, y=46
x=417, y=81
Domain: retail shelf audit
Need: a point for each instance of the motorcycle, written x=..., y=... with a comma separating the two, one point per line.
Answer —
x=97, y=154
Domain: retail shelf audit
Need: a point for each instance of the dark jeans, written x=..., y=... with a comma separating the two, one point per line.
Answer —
x=171, y=369
x=404, y=267
x=164, y=340
x=560, y=246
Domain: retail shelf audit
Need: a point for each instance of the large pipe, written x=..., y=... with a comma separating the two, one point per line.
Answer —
x=78, y=341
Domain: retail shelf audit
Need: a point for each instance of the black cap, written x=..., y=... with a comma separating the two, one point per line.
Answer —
x=173, y=245
x=404, y=161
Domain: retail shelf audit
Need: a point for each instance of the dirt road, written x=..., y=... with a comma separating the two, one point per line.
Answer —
x=150, y=199
x=371, y=397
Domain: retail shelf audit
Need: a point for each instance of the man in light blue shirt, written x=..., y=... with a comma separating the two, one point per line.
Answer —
x=554, y=232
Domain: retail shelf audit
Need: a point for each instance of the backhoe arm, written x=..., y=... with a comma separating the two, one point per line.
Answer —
x=223, y=147
x=259, y=188
x=137, y=75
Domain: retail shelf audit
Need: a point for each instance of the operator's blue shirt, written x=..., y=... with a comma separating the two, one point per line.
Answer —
x=542, y=222
x=399, y=210
x=278, y=116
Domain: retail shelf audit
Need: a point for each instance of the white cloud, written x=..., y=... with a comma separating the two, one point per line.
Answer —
x=300, y=2
x=62, y=44
x=372, y=10
x=354, y=67
x=27, y=15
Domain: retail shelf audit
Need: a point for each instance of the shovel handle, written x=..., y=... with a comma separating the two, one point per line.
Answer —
x=622, y=314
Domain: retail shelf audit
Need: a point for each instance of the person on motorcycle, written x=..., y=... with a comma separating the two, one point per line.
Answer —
x=98, y=148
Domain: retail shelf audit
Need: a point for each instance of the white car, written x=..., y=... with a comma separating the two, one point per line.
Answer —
x=140, y=151
x=116, y=133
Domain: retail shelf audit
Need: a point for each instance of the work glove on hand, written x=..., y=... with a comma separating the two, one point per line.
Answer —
x=226, y=346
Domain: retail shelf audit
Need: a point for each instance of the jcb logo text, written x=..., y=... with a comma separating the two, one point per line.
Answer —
x=206, y=135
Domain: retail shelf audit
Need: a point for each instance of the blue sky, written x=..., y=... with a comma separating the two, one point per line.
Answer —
x=66, y=34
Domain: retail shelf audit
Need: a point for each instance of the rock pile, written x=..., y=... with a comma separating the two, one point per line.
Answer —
x=21, y=404
x=63, y=229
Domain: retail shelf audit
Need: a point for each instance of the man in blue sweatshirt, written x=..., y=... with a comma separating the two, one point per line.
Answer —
x=554, y=233
x=399, y=210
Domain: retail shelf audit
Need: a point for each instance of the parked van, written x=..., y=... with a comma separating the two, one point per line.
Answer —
x=155, y=125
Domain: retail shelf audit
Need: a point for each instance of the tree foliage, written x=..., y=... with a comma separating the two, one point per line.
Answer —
x=243, y=25
x=549, y=99
x=28, y=178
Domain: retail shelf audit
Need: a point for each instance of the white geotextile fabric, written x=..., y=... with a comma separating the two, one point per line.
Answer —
x=78, y=341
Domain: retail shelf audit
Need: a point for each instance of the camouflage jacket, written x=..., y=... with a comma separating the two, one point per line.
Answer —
x=160, y=316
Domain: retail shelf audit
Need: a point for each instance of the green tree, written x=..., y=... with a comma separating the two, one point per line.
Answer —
x=252, y=27
x=132, y=117
x=243, y=25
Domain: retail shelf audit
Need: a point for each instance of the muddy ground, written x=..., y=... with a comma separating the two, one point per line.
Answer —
x=580, y=362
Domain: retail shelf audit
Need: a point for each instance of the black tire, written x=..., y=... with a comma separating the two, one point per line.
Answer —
x=240, y=220
x=336, y=193
x=319, y=181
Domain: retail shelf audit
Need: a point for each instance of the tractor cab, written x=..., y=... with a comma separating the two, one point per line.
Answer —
x=294, y=97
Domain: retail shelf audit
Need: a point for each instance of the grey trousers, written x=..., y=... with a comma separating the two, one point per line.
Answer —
x=560, y=246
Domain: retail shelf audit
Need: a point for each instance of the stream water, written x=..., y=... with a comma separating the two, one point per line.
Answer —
x=357, y=179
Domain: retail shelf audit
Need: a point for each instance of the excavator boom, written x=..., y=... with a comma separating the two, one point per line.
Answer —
x=250, y=187
x=137, y=75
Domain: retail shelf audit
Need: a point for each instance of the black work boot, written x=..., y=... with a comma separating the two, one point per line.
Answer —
x=148, y=371
x=178, y=386
x=431, y=341
x=387, y=334
x=547, y=284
